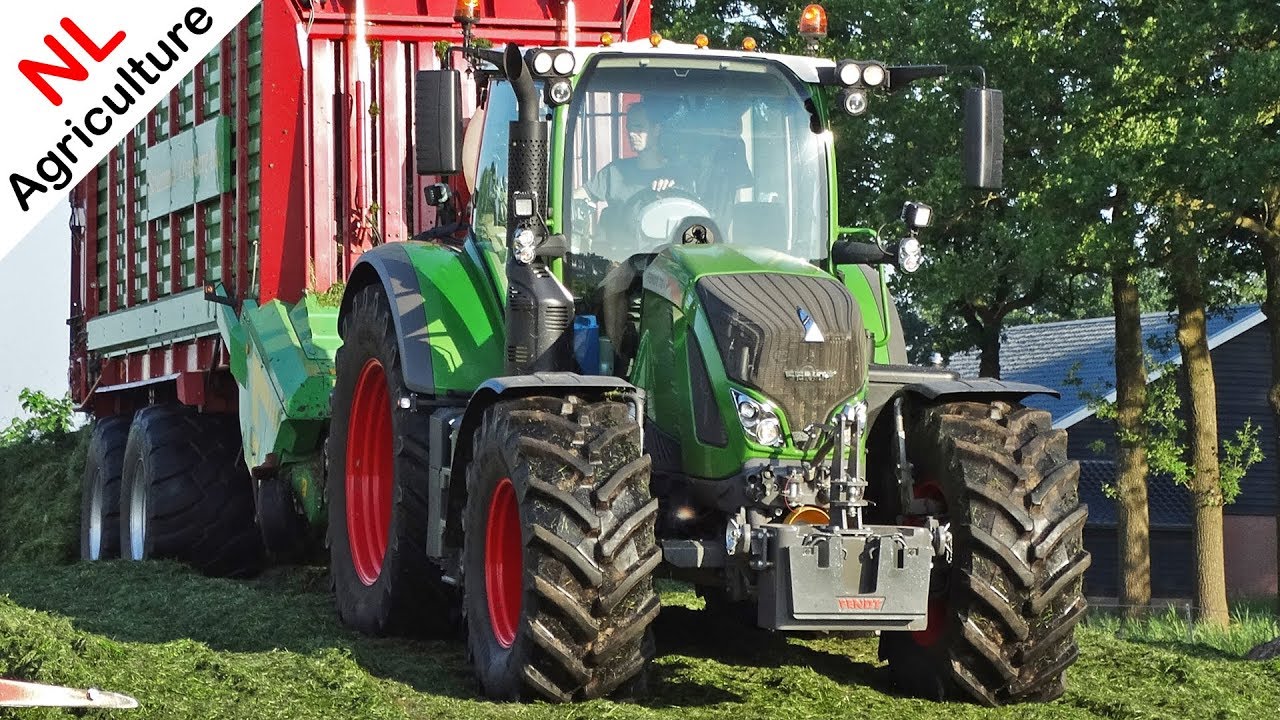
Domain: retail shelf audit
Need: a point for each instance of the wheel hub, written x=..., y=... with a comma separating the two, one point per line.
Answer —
x=370, y=472
x=95, y=517
x=138, y=519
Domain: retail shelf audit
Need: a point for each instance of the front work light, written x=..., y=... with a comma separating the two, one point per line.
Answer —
x=559, y=92
x=544, y=63
x=917, y=215
x=873, y=74
x=853, y=101
x=848, y=72
x=541, y=63
x=565, y=63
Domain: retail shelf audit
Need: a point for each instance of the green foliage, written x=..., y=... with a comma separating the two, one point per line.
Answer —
x=331, y=297
x=1166, y=441
x=49, y=418
x=1237, y=457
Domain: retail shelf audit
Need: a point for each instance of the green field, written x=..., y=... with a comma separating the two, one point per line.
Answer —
x=187, y=646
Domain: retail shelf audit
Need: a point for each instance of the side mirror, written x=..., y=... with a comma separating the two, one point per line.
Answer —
x=437, y=121
x=983, y=138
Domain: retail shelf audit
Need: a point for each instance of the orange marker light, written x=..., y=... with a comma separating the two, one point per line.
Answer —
x=813, y=22
x=701, y=41
x=466, y=10
x=606, y=39
x=749, y=44
x=655, y=39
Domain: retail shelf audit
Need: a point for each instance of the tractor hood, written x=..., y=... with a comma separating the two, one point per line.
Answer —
x=777, y=325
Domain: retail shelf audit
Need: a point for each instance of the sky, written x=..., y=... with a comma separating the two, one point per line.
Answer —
x=35, y=296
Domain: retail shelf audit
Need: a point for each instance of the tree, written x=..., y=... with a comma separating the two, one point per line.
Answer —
x=49, y=418
x=1192, y=74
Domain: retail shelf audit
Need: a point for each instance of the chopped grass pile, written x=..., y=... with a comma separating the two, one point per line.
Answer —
x=40, y=499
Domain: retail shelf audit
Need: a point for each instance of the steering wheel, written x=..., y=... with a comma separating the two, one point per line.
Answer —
x=658, y=214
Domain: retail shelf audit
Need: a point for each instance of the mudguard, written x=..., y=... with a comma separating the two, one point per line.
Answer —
x=956, y=388
x=446, y=310
x=886, y=382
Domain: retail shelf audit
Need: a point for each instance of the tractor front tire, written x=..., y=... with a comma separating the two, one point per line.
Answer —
x=1002, y=614
x=185, y=496
x=100, y=492
x=559, y=551
x=377, y=485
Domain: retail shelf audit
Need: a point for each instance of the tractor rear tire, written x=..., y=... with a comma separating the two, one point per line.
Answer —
x=184, y=494
x=559, y=551
x=100, y=492
x=1003, y=612
x=377, y=485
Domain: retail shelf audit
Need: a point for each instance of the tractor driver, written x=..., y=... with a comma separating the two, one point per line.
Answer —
x=622, y=178
x=617, y=183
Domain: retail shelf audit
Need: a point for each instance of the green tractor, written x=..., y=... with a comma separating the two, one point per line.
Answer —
x=686, y=369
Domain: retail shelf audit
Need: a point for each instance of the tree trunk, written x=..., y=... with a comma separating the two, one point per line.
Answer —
x=1131, y=452
x=1202, y=430
x=1270, y=247
x=989, y=359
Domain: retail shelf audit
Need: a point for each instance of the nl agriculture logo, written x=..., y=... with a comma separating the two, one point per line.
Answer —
x=78, y=76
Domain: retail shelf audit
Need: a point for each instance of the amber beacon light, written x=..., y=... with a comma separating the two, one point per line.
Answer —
x=813, y=22
x=466, y=11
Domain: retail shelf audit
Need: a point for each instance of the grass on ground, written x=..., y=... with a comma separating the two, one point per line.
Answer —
x=187, y=646
x=193, y=647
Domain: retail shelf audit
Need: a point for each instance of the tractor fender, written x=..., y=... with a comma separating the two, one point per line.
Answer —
x=888, y=382
x=505, y=388
x=446, y=310
x=959, y=388
x=389, y=264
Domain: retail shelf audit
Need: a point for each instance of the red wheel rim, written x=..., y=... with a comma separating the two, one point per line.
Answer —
x=370, y=472
x=930, y=636
x=503, y=563
x=939, y=608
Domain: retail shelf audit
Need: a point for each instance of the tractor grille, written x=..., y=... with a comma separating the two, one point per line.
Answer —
x=756, y=321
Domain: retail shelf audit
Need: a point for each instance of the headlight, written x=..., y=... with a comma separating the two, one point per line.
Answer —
x=526, y=245
x=769, y=431
x=759, y=420
x=910, y=254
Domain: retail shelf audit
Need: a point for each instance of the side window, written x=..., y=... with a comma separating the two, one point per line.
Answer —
x=490, y=220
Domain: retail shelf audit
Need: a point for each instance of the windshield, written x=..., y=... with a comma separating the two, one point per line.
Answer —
x=660, y=143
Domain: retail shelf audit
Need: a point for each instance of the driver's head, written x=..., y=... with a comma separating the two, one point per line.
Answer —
x=640, y=128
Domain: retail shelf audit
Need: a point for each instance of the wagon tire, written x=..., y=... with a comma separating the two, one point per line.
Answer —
x=185, y=493
x=100, y=490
